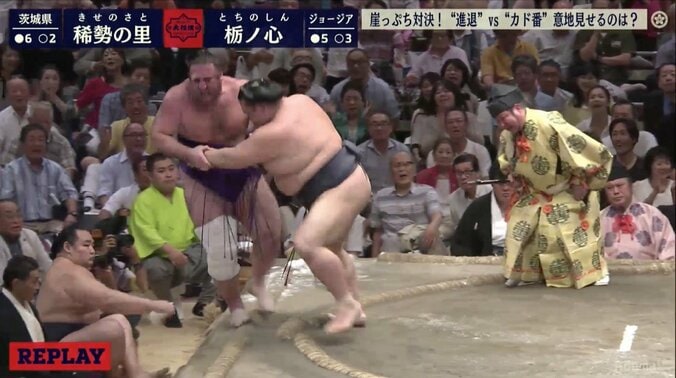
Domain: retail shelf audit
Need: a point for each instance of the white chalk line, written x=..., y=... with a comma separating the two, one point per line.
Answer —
x=628, y=338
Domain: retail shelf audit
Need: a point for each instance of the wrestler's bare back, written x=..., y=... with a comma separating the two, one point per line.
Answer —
x=55, y=304
x=303, y=139
x=221, y=123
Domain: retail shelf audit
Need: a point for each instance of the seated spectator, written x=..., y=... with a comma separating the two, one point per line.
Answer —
x=598, y=102
x=457, y=131
x=425, y=102
x=482, y=227
x=21, y=281
x=583, y=77
x=116, y=171
x=135, y=102
x=15, y=116
x=405, y=217
x=612, y=49
x=466, y=167
x=59, y=148
x=10, y=65
x=302, y=82
x=282, y=77
x=49, y=90
x=442, y=177
x=625, y=109
x=666, y=42
x=455, y=71
x=554, y=45
x=165, y=238
x=656, y=189
x=524, y=70
x=549, y=81
x=441, y=49
x=496, y=60
x=670, y=210
x=121, y=202
x=660, y=107
x=631, y=229
x=15, y=240
x=375, y=154
x=39, y=185
x=351, y=121
x=377, y=93
x=71, y=302
x=624, y=136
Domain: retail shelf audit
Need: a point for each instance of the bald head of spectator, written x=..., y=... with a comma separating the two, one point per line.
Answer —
x=18, y=94
x=666, y=79
x=42, y=113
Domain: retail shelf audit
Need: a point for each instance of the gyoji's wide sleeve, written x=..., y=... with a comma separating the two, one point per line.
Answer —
x=505, y=151
x=587, y=161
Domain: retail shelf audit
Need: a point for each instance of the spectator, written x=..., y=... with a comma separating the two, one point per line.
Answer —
x=15, y=240
x=21, y=282
x=582, y=78
x=39, y=202
x=660, y=107
x=666, y=52
x=555, y=45
x=496, y=60
x=15, y=116
x=377, y=43
x=482, y=228
x=376, y=152
x=455, y=71
x=441, y=49
x=377, y=92
x=625, y=109
x=466, y=168
x=71, y=302
x=612, y=49
x=598, y=102
x=10, y=66
x=58, y=147
x=670, y=210
x=457, y=131
x=351, y=122
x=116, y=171
x=302, y=82
x=121, y=202
x=405, y=217
x=524, y=70
x=624, y=136
x=134, y=99
x=633, y=230
x=549, y=80
x=656, y=189
x=49, y=89
x=165, y=238
x=442, y=177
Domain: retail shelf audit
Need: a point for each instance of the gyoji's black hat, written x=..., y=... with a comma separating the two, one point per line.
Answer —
x=502, y=98
x=618, y=171
x=260, y=90
x=495, y=173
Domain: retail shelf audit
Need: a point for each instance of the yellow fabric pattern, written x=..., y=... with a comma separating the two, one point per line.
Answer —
x=550, y=235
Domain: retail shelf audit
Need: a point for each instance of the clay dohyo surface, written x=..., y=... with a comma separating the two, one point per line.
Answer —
x=481, y=331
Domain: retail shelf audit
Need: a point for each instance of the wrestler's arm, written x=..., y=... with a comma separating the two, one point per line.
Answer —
x=165, y=127
x=92, y=294
x=257, y=149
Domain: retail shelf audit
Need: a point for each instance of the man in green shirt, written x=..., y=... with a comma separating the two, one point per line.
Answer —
x=165, y=237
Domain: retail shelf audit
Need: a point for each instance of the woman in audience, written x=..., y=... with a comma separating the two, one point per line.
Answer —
x=49, y=89
x=442, y=177
x=598, y=103
x=10, y=65
x=656, y=189
x=427, y=127
x=582, y=78
x=110, y=80
x=302, y=82
x=456, y=71
x=350, y=122
x=624, y=135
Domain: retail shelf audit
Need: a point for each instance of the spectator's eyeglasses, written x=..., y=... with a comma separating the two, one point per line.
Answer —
x=464, y=173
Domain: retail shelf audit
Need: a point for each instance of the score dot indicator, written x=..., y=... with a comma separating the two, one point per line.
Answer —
x=313, y=38
x=18, y=39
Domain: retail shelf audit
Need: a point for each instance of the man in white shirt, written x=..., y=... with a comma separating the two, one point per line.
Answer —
x=15, y=116
x=123, y=198
x=15, y=240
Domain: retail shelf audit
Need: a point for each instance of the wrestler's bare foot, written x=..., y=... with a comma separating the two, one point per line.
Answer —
x=348, y=312
x=359, y=323
x=238, y=317
x=265, y=301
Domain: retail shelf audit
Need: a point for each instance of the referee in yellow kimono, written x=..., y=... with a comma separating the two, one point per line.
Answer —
x=553, y=227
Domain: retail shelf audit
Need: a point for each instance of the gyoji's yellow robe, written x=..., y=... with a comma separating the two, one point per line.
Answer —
x=550, y=235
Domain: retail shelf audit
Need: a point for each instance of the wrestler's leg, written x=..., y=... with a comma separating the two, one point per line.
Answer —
x=117, y=330
x=351, y=275
x=327, y=221
x=266, y=231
